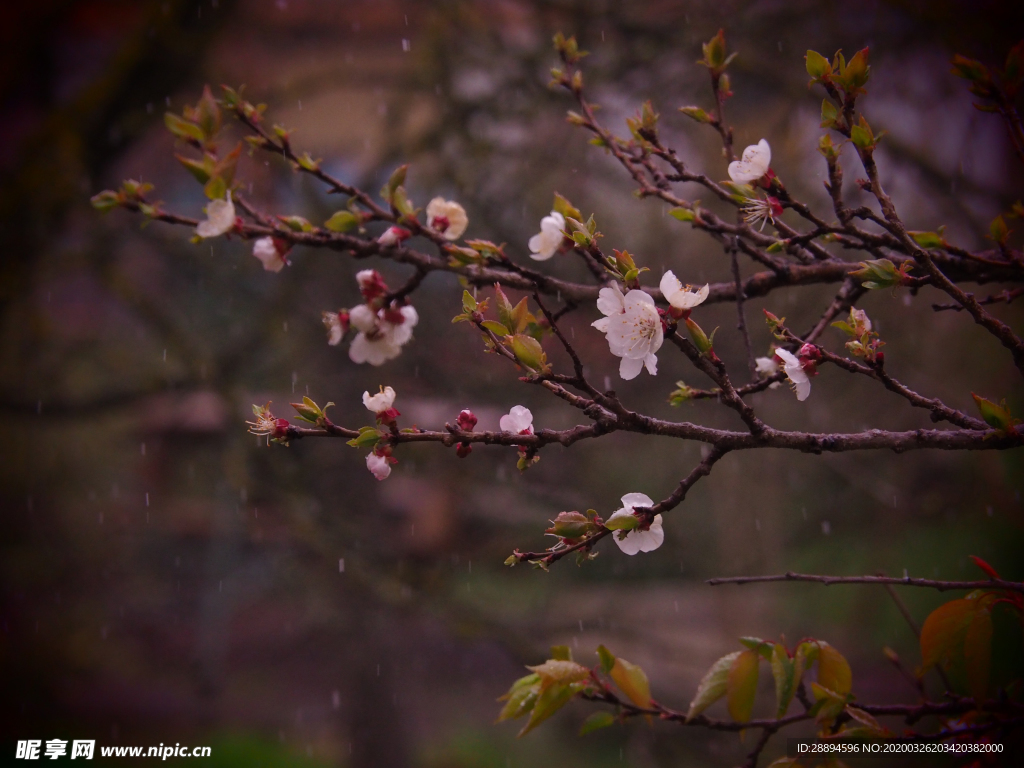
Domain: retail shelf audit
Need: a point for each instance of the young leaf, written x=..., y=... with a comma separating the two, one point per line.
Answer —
x=496, y=328
x=560, y=670
x=520, y=698
x=597, y=721
x=713, y=686
x=632, y=681
x=942, y=636
x=978, y=652
x=784, y=672
x=551, y=699
x=763, y=647
x=529, y=353
x=817, y=65
x=607, y=659
x=833, y=669
x=342, y=221
x=741, y=685
x=561, y=653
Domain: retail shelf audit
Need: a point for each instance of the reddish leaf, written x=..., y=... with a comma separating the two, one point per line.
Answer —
x=978, y=652
x=833, y=670
x=741, y=685
x=985, y=567
x=942, y=635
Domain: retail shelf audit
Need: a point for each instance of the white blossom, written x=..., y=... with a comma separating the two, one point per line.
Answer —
x=795, y=371
x=680, y=296
x=378, y=465
x=632, y=328
x=636, y=540
x=363, y=318
x=380, y=339
x=517, y=421
x=768, y=366
x=381, y=401
x=754, y=165
x=220, y=218
x=447, y=217
x=544, y=244
x=266, y=251
x=335, y=328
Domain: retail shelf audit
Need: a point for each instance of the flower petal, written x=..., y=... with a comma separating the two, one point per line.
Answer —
x=630, y=367
x=610, y=300
x=634, y=500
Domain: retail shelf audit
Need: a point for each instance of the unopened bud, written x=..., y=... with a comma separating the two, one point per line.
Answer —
x=466, y=420
x=462, y=450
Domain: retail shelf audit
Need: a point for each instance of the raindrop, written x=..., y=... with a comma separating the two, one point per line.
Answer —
x=243, y=494
x=220, y=585
x=147, y=499
x=142, y=449
x=378, y=670
x=341, y=565
x=39, y=407
x=780, y=46
x=905, y=574
x=406, y=19
x=602, y=35
x=581, y=625
x=406, y=45
x=575, y=641
x=416, y=372
x=894, y=499
x=295, y=380
x=412, y=529
x=826, y=527
x=165, y=355
x=607, y=383
x=285, y=326
x=336, y=699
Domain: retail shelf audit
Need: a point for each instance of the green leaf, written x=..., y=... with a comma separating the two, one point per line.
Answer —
x=520, y=316
x=551, y=699
x=996, y=416
x=998, y=230
x=368, y=437
x=563, y=206
x=833, y=669
x=696, y=113
x=828, y=114
x=104, y=201
x=558, y=670
x=861, y=135
x=741, y=685
x=504, y=307
x=777, y=247
x=396, y=180
x=200, y=169
x=817, y=65
x=520, y=697
x=182, y=128
x=713, y=685
x=496, y=328
x=216, y=188
x=857, y=72
x=929, y=240
x=623, y=523
x=597, y=721
x=632, y=681
x=342, y=221
x=607, y=659
x=529, y=352
x=763, y=647
x=683, y=214
x=468, y=301
x=561, y=653
x=784, y=672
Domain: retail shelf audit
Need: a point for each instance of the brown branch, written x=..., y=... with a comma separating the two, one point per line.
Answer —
x=942, y=586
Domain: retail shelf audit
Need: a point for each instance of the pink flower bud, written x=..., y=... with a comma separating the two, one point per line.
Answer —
x=280, y=429
x=466, y=421
x=371, y=284
x=462, y=450
x=394, y=236
x=343, y=320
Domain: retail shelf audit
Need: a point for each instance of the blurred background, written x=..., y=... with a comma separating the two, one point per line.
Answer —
x=167, y=578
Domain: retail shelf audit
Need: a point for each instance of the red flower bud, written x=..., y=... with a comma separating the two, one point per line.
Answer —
x=466, y=421
x=280, y=429
x=462, y=450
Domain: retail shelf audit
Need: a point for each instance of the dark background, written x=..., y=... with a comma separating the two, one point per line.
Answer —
x=166, y=578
